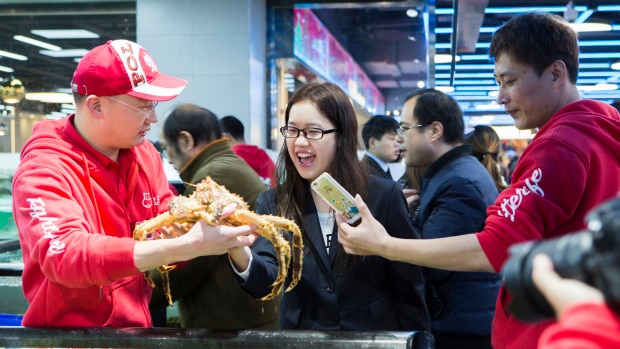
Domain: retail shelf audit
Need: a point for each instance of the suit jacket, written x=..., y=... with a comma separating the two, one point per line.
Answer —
x=377, y=294
x=375, y=168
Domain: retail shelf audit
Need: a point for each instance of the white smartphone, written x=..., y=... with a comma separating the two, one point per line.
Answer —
x=336, y=196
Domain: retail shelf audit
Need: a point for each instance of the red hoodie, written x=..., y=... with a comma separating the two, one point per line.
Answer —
x=259, y=160
x=571, y=166
x=75, y=210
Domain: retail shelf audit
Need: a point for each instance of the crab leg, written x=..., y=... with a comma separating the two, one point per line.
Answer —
x=280, y=245
x=207, y=202
x=298, y=245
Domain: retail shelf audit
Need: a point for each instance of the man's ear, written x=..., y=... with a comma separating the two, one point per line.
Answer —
x=558, y=70
x=436, y=130
x=371, y=142
x=185, y=141
x=93, y=103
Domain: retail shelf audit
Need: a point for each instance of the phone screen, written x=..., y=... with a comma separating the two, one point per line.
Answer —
x=336, y=196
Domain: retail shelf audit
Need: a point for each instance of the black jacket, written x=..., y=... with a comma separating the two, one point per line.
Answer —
x=454, y=195
x=377, y=295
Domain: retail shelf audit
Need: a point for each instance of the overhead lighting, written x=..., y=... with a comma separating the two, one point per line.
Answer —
x=594, y=55
x=490, y=67
x=55, y=115
x=445, y=58
x=444, y=88
x=36, y=42
x=590, y=27
x=598, y=87
x=450, y=11
x=6, y=69
x=488, y=106
x=78, y=52
x=12, y=55
x=65, y=33
x=615, y=66
x=50, y=97
x=412, y=13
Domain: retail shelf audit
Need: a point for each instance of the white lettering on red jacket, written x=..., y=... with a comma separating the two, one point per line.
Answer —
x=148, y=201
x=37, y=210
x=511, y=204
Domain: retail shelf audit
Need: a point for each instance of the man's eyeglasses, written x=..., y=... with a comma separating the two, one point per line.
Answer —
x=402, y=128
x=309, y=132
x=143, y=110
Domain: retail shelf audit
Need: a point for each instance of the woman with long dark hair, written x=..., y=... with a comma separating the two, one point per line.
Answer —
x=336, y=291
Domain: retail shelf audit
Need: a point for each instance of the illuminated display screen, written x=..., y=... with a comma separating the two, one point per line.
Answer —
x=318, y=49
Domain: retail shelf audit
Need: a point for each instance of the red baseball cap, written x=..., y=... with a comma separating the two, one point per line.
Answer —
x=123, y=67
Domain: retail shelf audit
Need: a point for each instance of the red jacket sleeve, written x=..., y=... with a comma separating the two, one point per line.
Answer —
x=584, y=326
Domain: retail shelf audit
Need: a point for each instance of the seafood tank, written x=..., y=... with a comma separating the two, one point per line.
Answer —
x=11, y=265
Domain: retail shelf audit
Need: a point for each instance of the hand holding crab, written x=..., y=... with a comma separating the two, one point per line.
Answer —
x=208, y=205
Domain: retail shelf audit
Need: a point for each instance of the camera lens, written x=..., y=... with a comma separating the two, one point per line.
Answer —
x=568, y=253
x=590, y=256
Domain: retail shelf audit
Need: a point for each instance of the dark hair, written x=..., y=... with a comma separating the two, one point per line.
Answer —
x=412, y=177
x=232, y=126
x=377, y=126
x=536, y=40
x=421, y=92
x=438, y=106
x=486, y=144
x=332, y=103
x=200, y=122
x=78, y=98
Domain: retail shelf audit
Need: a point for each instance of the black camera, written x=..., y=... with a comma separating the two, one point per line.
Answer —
x=591, y=256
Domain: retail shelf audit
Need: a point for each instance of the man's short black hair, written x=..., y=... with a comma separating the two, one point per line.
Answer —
x=377, y=126
x=232, y=126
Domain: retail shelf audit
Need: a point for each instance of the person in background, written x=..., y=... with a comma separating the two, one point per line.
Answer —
x=176, y=188
x=486, y=145
x=82, y=185
x=410, y=180
x=256, y=157
x=455, y=191
x=206, y=289
x=571, y=166
x=381, y=140
x=512, y=157
x=336, y=291
x=585, y=321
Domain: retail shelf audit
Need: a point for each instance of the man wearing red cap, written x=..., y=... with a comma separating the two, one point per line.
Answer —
x=82, y=185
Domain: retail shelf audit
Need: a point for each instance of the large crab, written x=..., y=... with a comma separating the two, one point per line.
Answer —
x=207, y=202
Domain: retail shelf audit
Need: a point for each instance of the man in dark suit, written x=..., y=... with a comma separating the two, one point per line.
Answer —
x=382, y=144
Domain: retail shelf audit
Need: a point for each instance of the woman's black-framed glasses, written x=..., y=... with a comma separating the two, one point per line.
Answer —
x=308, y=132
x=402, y=128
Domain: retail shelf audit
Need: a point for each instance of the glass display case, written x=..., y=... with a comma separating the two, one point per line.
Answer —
x=11, y=264
x=10, y=252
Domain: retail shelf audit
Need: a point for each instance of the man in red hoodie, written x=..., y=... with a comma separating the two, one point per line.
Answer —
x=571, y=166
x=82, y=185
x=256, y=157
